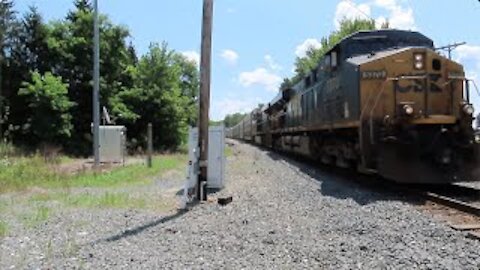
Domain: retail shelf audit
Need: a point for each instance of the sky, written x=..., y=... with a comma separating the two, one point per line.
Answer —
x=255, y=42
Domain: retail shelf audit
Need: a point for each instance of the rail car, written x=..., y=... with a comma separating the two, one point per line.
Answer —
x=385, y=102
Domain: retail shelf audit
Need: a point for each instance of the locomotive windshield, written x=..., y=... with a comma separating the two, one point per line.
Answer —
x=374, y=41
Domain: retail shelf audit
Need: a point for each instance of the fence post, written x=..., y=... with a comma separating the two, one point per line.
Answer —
x=150, y=145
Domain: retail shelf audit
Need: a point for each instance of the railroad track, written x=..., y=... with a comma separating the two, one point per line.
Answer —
x=458, y=205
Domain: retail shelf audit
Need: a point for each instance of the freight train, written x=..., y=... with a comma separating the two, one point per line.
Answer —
x=384, y=102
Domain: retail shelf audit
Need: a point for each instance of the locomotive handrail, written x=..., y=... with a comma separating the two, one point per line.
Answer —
x=377, y=99
x=362, y=143
x=375, y=104
x=410, y=77
x=476, y=87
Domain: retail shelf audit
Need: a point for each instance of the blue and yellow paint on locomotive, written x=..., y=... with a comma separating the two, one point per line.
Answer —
x=384, y=101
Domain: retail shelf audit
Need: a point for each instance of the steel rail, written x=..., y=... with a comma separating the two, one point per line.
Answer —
x=453, y=203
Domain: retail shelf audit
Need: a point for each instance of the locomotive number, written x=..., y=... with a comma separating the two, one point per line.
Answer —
x=374, y=75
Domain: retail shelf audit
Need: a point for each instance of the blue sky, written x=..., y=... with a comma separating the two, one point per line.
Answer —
x=255, y=42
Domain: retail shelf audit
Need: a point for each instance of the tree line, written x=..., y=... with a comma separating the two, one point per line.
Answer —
x=46, y=82
x=304, y=65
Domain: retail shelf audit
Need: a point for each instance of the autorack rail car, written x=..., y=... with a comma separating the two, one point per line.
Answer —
x=382, y=101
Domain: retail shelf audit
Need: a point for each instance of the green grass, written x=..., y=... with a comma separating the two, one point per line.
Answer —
x=7, y=149
x=107, y=199
x=39, y=215
x=20, y=174
x=228, y=151
x=3, y=228
x=133, y=174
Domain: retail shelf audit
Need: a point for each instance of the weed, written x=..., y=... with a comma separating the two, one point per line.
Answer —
x=40, y=215
x=107, y=200
x=49, y=251
x=228, y=151
x=7, y=149
x=3, y=228
x=71, y=248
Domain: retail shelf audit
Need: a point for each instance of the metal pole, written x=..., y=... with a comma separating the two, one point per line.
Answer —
x=96, y=87
x=150, y=145
x=467, y=90
x=1, y=99
x=205, y=66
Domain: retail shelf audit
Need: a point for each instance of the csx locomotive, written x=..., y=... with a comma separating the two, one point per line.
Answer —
x=384, y=102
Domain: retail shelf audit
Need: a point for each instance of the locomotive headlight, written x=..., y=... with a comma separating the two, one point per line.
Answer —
x=477, y=138
x=419, y=65
x=419, y=61
x=468, y=109
x=408, y=109
x=419, y=57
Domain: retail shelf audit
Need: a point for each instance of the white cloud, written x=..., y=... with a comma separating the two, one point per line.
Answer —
x=308, y=44
x=390, y=4
x=399, y=17
x=380, y=21
x=262, y=77
x=230, y=56
x=469, y=56
x=271, y=63
x=347, y=9
x=231, y=106
x=192, y=56
x=469, y=52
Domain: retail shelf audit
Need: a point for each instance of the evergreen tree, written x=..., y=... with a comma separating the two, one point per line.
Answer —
x=35, y=39
x=30, y=52
x=8, y=26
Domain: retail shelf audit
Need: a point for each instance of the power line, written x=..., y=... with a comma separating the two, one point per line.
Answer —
x=350, y=3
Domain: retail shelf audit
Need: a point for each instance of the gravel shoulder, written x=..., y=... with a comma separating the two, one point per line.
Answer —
x=284, y=215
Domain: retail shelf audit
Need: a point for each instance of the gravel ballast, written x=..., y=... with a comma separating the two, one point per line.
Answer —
x=284, y=215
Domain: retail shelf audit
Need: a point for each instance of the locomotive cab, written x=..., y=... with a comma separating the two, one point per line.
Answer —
x=417, y=116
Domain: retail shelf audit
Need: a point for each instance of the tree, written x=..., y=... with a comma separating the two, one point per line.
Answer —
x=232, y=120
x=40, y=60
x=305, y=65
x=29, y=52
x=71, y=43
x=8, y=24
x=164, y=94
x=48, y=99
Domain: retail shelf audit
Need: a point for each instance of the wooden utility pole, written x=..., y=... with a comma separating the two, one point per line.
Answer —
x=203, y=122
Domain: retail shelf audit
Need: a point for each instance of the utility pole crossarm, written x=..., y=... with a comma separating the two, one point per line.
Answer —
x=450, y=48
